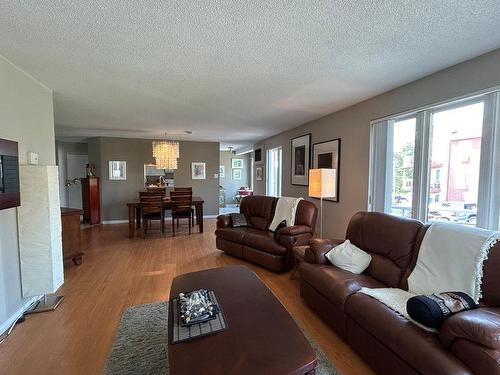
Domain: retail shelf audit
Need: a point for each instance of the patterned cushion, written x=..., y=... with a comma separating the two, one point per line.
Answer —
x=238, y=220
x=433, y=309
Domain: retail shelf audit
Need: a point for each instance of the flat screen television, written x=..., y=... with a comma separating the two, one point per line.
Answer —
x=9, y=175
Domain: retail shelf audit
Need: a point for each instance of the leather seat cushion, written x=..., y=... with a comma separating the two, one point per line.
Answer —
x=334, y=283
x=259, y=239
x=232, y=234
x=264, y=241
x=420, y=348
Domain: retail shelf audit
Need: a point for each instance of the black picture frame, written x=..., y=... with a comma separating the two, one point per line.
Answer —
x=322, y=160
x=258, y=155
x=300, y=148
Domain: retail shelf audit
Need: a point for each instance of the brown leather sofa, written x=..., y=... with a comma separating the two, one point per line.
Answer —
x=467, y=343
x=256, y=243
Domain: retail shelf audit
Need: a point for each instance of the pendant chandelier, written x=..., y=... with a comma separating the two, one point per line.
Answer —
x=166, y=154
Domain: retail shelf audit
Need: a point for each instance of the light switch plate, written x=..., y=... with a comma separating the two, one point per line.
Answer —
x=32, y=158
x=216, y=175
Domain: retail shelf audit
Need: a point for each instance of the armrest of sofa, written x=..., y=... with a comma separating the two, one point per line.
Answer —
x=224, y=221
x=294, y=230
x=318, y=247
x=295, y=235
x=480, y=326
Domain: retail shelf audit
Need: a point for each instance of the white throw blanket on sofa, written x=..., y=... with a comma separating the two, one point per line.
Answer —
x=395, y=299
x=450, y=259
x=285, y=210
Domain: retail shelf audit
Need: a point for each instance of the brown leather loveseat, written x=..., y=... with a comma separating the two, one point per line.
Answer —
x=467, y=343
x=256, y=243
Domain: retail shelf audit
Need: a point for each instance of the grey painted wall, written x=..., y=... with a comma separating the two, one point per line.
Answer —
x=232, y=186
x=26, y=116
x=137, y=152
x=352, y=125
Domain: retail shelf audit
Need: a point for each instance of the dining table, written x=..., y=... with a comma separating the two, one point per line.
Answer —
x=134, y=213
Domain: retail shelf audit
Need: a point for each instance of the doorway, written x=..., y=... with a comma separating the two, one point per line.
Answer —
x=76, y=169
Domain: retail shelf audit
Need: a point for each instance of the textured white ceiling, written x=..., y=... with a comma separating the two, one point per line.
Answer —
x=231, y=70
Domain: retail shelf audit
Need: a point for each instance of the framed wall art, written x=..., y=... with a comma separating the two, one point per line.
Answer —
x=237, y=174
x=222, y=171
x=198, y=170
x=327, y=155
x=259, y=173
x=237, y=163
x=258, y=155
x=301, y=153
x=117, y=170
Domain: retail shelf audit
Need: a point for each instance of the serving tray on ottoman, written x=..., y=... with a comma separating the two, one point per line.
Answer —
x=182, y=331
x=261, y=338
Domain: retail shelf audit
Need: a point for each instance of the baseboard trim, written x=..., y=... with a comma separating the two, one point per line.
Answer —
x=6, y=325
x=126, y=221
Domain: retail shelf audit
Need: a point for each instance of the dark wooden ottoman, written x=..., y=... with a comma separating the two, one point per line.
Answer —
x=262, y=338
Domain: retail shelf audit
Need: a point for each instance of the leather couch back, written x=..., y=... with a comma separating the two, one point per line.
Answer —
x=390, y=240
x=306, y=213
x=491, y=278
x=258, y=210
x=394, y=244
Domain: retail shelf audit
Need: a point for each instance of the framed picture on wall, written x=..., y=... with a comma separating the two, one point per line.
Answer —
x=117, y=170
x=258, y=153
x=327, y=155
x=237, y=174
x=236, y=163
x=259, y=173
x=198, y=170
x=222, y=171
x=301, y=153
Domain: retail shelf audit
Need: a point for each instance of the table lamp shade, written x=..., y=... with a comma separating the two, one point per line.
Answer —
x=322, y=183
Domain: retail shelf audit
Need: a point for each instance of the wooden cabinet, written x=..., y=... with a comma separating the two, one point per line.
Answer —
x=71, y=236
x=91, y=200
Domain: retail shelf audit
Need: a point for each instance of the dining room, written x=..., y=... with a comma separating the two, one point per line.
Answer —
x=141, y=184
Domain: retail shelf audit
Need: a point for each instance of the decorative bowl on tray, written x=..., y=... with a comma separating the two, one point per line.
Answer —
x=196, y=307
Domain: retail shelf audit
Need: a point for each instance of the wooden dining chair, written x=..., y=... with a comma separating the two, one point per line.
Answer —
x=187, y=190
x=181, y=208
x=151, y=209
x=158, y=189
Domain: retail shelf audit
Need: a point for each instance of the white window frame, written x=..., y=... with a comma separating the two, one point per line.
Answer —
x=252, y=172
x=270, y=172
x=380, y=177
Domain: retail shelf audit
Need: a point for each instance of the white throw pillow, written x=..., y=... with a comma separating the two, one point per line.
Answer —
x=349, y=257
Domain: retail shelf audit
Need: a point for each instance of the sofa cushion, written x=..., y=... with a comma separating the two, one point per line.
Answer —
x=349, y=257
x=491, y=279
x=335, y=284
x=238, y=220
x=263, y=240
x=259, y=210
x=390, y=240
x=420, y=348
x=232, y=234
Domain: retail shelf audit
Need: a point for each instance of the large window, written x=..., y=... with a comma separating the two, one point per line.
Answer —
x=440, y=163
x=273, y=186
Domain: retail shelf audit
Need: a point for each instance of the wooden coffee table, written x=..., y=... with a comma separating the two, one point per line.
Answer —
x=262, y=338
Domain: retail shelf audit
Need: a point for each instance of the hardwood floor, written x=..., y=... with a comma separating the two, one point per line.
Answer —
x=118, y=273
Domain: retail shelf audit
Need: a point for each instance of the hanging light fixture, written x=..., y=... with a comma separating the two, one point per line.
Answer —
x=166, y=154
